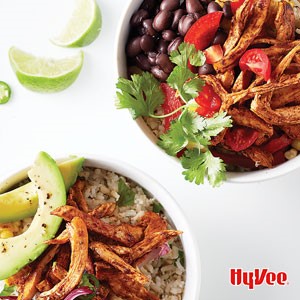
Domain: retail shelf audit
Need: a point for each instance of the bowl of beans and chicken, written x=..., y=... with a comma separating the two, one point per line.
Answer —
x=215, y=84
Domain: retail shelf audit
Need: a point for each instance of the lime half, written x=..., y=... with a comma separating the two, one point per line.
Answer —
x=45, y=74
x=83, y=27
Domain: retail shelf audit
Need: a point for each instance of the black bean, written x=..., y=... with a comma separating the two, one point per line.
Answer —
x=168, y=35
x=148, y=5
x=175, y=44
x=220, y=38
x=227, y=10
x=162, y=20
x=164, y=63
x=193, y=6
x=205, y=2
x=159, y=73
x=152, y=58
x=147, y=43
x=169, y=5
x=185, y=24
x=196, y=16
x=162, y=46
x=143, y=62
x=138, y=17
x=140, y=30
x=134, y=47
x=177, y=16
x=213, y=6
x=206, y=69
x=148, y=28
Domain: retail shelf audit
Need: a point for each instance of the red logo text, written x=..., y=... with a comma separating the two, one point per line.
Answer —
x=257, y=277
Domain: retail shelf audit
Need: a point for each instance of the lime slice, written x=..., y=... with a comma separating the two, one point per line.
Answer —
x=83, y=27
x=45, y=74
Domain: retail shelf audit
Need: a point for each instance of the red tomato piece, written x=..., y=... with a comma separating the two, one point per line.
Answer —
x=171, y=103
x=234, y=159
x=278, y=158
x=240, y=138
x=235, y=5
x=204, y=30
x=256, y=61
x=277, y=144
x=209, y=101
x=213, y=54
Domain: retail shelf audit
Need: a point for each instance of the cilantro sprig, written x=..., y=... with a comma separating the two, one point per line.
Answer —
x=141, y=95
x=126, y=194
x=191, y=132
x=194, y=131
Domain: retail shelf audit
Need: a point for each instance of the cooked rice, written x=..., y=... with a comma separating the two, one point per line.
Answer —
x=167, y=274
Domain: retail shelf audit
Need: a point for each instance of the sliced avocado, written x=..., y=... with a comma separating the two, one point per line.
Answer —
x=18, y=251
x=22, y=202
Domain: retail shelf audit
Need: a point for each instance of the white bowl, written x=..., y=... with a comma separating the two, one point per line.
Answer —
x=235, y=177
x=172, y=211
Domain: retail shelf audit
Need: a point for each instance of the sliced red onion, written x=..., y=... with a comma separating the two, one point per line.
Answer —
x=164, y=249
x=156, y=253
x=79, y=292
x=8, y=297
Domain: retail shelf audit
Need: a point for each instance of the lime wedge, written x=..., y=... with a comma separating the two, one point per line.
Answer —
x=83, y=27
x=45, y=74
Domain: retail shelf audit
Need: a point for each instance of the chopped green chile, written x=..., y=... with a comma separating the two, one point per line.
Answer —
x=5, y=92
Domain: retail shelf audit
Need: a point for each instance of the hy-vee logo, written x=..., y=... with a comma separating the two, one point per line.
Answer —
x=257, y=277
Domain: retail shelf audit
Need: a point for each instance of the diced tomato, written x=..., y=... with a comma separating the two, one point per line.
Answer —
x=213, y=54
x=240, y=138
x=171, y=103
x=235, y=159
x=181, y=152
x=278, y=158
x=235, y=5
x=209, y=101
x=256, y=61
x=204, y=30
x=277, y=144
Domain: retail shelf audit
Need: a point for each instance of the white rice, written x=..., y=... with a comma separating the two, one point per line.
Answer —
x=167, y=274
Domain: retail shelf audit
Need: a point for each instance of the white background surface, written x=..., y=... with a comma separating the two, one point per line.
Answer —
x=238, y=225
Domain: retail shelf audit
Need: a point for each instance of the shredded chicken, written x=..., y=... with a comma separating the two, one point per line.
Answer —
x=82, y=248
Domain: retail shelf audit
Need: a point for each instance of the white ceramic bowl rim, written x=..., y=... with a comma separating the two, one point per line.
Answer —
x=232, y=177
x=192, y=256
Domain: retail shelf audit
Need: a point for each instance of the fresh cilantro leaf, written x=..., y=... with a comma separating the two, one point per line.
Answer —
x=8, y=290
x=185, y=82
x=90, y=281
x=157, y=207
x=192, y=129
x=174, y=140
x=187, y=120
x=181, y=257
x=193, y=86
x=199, y=164
x=177, y=79
x=187, y=52
x=210, y=127
x=126, y=194
x=141, y=95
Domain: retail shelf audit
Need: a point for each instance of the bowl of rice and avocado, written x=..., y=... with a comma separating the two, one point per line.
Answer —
x=115, y=234
x=198, y=60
